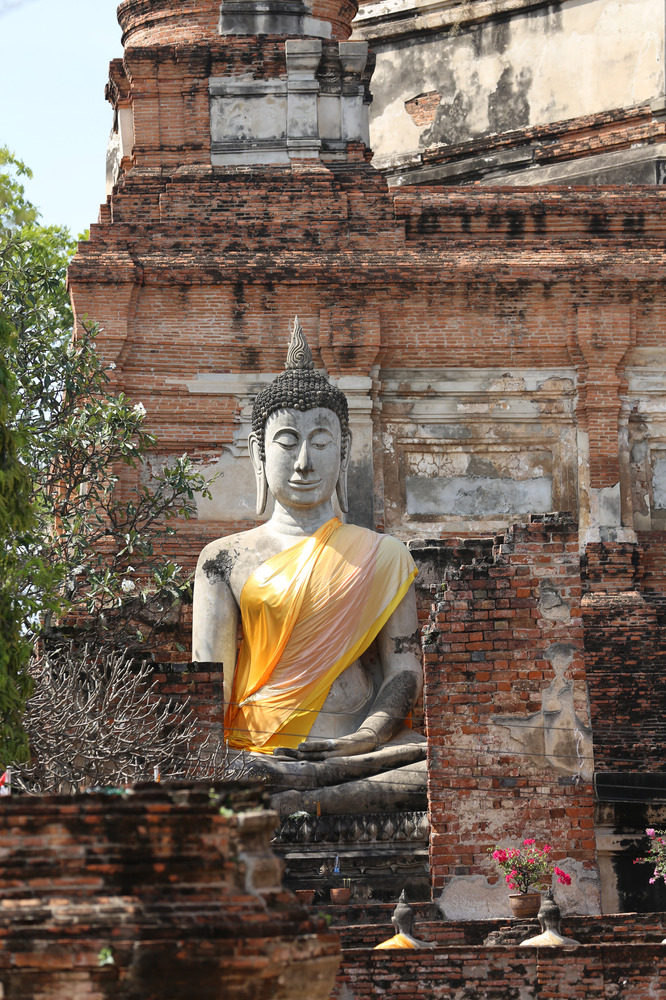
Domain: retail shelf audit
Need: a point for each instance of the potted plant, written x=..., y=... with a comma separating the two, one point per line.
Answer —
x=341, y=893
x=656, y=855
x=525, y=867
x=305, y=896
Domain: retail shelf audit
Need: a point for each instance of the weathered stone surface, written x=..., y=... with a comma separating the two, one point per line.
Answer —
x=453, y=74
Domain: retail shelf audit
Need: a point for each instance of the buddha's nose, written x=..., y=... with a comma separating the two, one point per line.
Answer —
x=303, y=461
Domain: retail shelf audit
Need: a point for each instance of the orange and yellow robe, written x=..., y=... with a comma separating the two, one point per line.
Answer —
x=307, y=614
x=398, y=941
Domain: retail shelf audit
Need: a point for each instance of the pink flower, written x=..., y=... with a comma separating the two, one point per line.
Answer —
x=650, y=831
x=526, y=843
x=562, y=877
x=499, y=855
x=546, y=848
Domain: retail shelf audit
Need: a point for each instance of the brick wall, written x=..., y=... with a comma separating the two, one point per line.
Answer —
x=595, y=972
x=200, y=685
x=653, y=560
x=198, y=21
x=624, y=611
x=187, y=900
x=423, y=109
x=224, y=258
x=487, y=663
x=612, y=567
x=625, y=656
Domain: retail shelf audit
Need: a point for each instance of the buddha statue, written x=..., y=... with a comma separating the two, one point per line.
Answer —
x=403, y=924
x=319, y=697
x=551, y=930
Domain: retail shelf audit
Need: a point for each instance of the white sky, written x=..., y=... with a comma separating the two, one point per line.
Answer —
x=54, y=61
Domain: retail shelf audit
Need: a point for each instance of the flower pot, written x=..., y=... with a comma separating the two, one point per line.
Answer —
x=305, y=896
x=525, y=904
x=340, y=894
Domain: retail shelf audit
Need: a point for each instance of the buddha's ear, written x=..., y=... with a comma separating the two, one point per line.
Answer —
x=259, y=473
x=341, y=485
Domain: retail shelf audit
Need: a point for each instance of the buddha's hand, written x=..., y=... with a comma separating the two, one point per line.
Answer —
x=362, y=741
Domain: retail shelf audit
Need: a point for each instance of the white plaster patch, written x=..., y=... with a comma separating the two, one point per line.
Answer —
x=472, y=897
x=583, y=896
x=659, y=483
x=481, y=496
x=232, y=494
x=345, y=993
x=395, y=131
x=605, y=506
x=555, y=735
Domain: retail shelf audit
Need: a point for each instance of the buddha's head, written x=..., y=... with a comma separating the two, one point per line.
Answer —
x=300, y=438
x=403, y=916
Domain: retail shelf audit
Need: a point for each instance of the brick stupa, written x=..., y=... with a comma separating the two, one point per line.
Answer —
x=486, y=340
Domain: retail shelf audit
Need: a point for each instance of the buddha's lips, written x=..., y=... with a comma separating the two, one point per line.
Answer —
x=307, y=484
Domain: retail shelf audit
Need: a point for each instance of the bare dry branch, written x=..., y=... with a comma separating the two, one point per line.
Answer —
x=98, y=720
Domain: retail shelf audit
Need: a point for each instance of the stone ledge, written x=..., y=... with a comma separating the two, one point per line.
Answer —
x=385, y=19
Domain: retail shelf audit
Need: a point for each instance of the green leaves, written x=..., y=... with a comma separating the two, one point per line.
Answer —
x=15, y=209
x=85, y=504
x=17, y=518
x=105, y=510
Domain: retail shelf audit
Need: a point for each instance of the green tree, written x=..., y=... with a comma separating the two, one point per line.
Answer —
x=15, y=520
x=84, y=521
x=15, y=209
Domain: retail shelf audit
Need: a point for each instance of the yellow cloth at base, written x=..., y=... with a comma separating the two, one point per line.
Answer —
x=399, y=941
x=307, y=614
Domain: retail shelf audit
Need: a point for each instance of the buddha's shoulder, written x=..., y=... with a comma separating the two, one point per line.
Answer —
x=219, y=558
x=389, y=544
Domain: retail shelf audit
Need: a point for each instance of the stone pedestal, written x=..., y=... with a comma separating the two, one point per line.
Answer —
x=378, y=854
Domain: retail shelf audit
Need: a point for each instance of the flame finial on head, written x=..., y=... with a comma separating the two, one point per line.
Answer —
x=299, y=355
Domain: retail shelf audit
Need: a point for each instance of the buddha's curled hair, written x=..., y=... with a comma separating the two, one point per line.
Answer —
x=299, y=388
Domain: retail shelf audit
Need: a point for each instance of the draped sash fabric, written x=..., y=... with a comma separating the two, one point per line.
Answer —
x=398, y=941
x=307, y=614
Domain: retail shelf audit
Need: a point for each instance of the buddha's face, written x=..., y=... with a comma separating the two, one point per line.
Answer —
x=303, y=456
